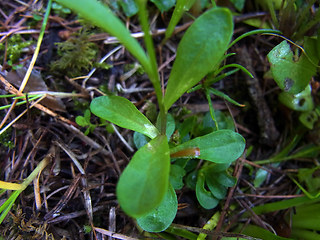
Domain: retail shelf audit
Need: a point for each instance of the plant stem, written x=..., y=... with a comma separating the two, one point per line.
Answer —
x=154, y=76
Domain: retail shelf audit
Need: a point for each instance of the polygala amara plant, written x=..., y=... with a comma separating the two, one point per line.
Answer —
x=144, y=191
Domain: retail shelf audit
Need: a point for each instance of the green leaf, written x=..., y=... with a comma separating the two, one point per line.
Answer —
x=226, y=180
x=291, y=76
x=123, y=113
x=100, y=15
x=139, y=139
x=191, y=179
x=81, y=121
x=224, y=120
x=239, y=4
x=160, y=218
x=222, y=146
x=164, y=5
x=261, y=176
x=205, y=198
x=180, y=8
x=219, y=191
x=171, y=125
x=200, y=50
x=261, y=233
x=301, y=101
x=129, y=7
x=176, y=176
x=144, y=182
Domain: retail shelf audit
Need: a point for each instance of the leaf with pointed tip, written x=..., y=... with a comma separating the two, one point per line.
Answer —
x=200, y=50
x=222, y=146
x=144, y=182
x=123, y=113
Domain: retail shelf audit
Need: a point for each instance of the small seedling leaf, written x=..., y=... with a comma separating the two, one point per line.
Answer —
x=123, y=113
x=200, y=50
x=205, y=198
x=81, y=121
x=219, y=191
x=290, y=75
x=222, y=146
x=160, y=218
x=144, y=183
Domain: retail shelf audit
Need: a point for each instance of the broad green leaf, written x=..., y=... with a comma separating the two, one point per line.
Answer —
x=144, y=183
x=164, y=5
x=123, y=113
x=290, y=75
x=200, y=50
x=205, y=198
x=160, y=218
x=176, y=176
x=101, y=16
x=222, y=146
x=301, y=101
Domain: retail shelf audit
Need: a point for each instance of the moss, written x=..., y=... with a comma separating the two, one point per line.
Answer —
x=15, y=47
x=76, y=55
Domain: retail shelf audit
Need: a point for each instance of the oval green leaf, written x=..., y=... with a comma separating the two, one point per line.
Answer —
x=290, y=75
x=123, y=113
x=160, y=218
x=222, y=146
x=144, y=182
x=205, y=198
x=200, y=50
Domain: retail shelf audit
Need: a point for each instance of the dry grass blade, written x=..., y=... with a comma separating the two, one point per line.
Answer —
x=113, y=234
x=64, y=200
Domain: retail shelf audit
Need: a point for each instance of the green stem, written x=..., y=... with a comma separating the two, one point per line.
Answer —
x=211, y=109
x=154, y=76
